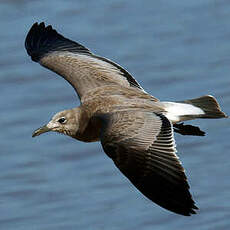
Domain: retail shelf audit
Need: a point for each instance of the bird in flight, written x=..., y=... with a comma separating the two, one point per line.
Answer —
x=136, y=130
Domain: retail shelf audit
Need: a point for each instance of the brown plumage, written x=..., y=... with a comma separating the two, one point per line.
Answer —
x=135, y=129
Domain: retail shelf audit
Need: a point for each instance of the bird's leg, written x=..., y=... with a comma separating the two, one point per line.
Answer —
x=188, y=130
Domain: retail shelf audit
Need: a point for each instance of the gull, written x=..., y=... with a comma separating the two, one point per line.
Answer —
x=136, y=130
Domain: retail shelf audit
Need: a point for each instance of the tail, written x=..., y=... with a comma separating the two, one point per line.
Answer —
x=202, y=107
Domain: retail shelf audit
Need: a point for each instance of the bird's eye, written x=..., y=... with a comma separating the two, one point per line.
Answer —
x=62, y=120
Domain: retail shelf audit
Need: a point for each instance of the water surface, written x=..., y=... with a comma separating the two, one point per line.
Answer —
x=176, y=50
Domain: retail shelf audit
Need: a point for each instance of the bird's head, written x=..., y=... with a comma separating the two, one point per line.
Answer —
x=65, y=122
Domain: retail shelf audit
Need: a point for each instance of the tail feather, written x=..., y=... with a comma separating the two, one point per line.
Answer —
x=202, y=107
x=209, y=105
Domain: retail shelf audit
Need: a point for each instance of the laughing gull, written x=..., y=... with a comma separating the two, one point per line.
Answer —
x=134, y=128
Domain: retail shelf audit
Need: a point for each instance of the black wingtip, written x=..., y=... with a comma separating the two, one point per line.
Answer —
x=39, y=39
x=186, y=211
x=192, y=211
x=42, y=40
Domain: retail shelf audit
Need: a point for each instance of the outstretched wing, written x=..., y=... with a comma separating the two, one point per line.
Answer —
x=141, y=144
x=75, y=63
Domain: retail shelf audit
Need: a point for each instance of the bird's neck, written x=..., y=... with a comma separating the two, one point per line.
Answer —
x=89, y=130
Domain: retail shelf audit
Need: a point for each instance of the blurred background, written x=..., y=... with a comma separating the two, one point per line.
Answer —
x=175, y=49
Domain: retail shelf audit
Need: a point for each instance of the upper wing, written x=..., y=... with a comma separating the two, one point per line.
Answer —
x=82, y=69
x=142, y=146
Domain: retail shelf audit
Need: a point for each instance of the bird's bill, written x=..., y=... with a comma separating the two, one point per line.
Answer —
x=41, y=130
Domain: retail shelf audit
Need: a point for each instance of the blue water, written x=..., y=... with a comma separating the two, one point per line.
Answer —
x=175, y=49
